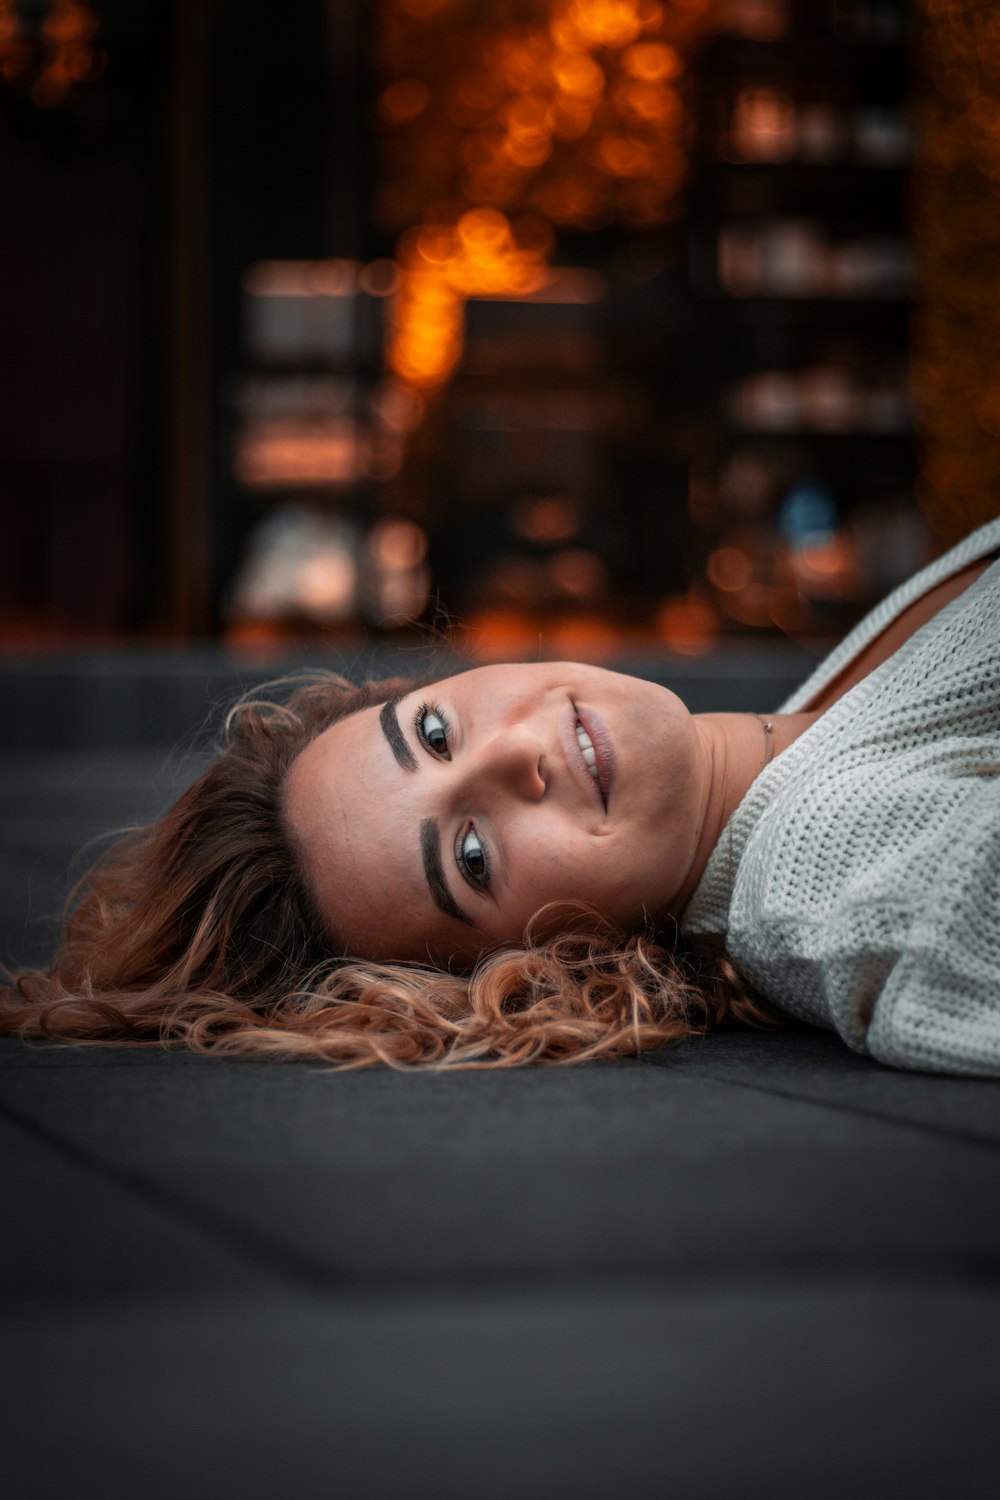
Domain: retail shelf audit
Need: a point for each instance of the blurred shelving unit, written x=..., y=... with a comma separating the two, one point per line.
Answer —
x=802, y=485
x=552, y=534
x=675, y=412
x=314, y=432
x=458, y=418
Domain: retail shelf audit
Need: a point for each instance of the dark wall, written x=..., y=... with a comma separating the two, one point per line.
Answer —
x=132, y=207
x=74, y=182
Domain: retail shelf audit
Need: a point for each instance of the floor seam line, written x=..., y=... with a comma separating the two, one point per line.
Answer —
x=956, y=1136
x=238, y=1239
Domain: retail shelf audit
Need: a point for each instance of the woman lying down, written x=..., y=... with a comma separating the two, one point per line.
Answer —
x=553, y=863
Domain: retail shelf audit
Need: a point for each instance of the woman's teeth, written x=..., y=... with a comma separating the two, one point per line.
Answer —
x=587, y=749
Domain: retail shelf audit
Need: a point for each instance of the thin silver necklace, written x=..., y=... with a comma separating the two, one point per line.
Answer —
x=768, y=729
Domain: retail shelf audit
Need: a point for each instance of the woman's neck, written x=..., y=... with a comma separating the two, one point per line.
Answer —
x=735, y=749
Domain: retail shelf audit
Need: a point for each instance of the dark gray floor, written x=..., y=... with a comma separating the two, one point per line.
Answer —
x=752, y=1266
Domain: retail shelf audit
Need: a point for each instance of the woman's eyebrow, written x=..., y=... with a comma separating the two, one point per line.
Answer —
x=389, y=721
x=430, y=850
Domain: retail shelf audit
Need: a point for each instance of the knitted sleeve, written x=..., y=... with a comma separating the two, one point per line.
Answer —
x=940, y=1006
x=859, y=881
x=900, y=953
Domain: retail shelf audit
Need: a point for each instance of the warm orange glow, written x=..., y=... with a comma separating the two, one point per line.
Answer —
x=442, y=265
x=751, y=606
x=580, y=638
x=255, y=638
x=397, y=544
x=686, y=624
x=68, y=23
x=763, y=125
x=398, y=409
x=53, y=60
x=652, y=62
x=404, y=100
x=507, y=634
x=649, y=101
x=957, y=324
x=567, y=200
x=527, y=153
x=483, y=231
x=67, y=32
x=760, y=20
x=326, y=583
x=729, y=569
x=282, y=451
x=10, y=25
x=14, y=59
x=571, y=118
x=426, y=328
x=578, y=573
x=623, y=155
x=501, y=635
x=828, y=568
x=604, y=23
x=529, y=115
x=578, y=75
x=568, y=108
x=550, y=518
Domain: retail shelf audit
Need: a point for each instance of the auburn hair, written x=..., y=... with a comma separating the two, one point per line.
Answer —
x=199, y=931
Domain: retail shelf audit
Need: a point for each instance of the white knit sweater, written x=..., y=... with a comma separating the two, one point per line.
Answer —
x=858, y=882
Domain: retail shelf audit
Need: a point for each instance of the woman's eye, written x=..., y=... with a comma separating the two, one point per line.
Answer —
x=432, y=727
x=473, y=858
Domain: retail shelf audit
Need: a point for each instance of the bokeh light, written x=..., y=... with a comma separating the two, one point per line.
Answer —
x=572, y=111
x=957, y=324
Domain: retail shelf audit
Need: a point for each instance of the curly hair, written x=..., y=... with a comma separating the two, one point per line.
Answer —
x=199, y=931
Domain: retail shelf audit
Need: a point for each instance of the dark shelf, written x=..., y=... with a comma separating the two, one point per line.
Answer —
x=815, y=434
x=811, y=307
x=825, y=53
x=741, y=221
x=800, y=173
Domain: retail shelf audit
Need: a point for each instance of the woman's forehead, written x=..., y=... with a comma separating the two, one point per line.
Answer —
x=352, y=813
x=341, y=807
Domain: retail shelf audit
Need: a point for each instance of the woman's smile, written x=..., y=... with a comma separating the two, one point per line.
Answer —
x=597, y=749
x=581, y=757
x=439, y=825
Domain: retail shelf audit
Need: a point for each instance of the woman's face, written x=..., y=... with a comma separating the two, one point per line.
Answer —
x=435, y=827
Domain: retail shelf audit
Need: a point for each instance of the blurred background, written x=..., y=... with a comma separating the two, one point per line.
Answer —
x=600, y=328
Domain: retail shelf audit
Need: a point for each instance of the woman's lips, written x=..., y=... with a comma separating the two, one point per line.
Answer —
x=597, y=732
x=574, y=752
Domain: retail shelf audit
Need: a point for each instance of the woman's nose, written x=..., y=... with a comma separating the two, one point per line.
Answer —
x=514, y=758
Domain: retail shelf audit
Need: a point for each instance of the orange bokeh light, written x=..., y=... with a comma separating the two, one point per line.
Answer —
x=644, y=101
x=687, y=625
x=729, y=569
x=578, y=75
x=442, y=265
x=404, y=100
x=567, y=107
x=605, y=23
x=652, y=62
x=580, y=638
x=623, y=155
x=53, y=54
